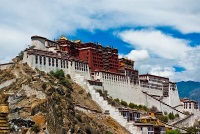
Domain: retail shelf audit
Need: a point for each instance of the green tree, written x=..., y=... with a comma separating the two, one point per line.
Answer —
x=20, y=55
x=59, y=74
x=117, y=100
x=164, y=118
x=140, y=106
x=132, y=105
x=124, y=103
x=171, y=116
x=192, y=130
x=145, y=108
x=173, y=132
x=153, y=109
x=177, y=115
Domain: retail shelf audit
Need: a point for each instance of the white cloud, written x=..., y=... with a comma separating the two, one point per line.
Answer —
x=22, y=19
x=138, y=55
x=156, y=42
x=191, y=60
x=165, y=72
x=5, y=60
x=165, y=52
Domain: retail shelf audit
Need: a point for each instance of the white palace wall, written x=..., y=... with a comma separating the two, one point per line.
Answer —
x=174, y=98
x=121, y=88
x=39, y=43
x=152, y=91
x=71, y=67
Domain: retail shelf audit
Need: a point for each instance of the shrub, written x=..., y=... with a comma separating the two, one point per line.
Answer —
x=108, y=132
x=173, y=132
x=88, y=130
x=165, y=113
x=177, y=115
x=164, y=118
x=100, y=92
x=44, y=86
x=68, y=76
x=117, y=100
x=124, y=103
x=35, y=128
x=153, y=109
x=145, y=108
x=89, y=95
x=105, y=92
x=81, y=92
x=171, y=116
x=59, y=74
x=186, y=112
x=192, y=130
x=132, y=105
x=20, y=55
x=140, y=106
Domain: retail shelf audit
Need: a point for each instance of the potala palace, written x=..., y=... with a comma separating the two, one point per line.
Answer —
x=96, y=67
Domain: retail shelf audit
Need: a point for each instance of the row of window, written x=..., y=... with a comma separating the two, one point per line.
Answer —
x=114, y=84
x=115, y=78
x=186, y=106
x=51, y=61
x=151, y=87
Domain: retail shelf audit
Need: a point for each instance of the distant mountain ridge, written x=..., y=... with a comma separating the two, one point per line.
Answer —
x=189, y=89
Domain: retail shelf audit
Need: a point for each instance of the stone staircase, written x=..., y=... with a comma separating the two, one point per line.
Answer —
x=183, y=130
x=114, y=112
x=181, y=120
x=177, y=106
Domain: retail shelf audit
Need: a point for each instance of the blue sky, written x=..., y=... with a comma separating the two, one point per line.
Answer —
x=162, y=37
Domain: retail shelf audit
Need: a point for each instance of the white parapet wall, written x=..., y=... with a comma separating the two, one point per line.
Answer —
x=71, y=67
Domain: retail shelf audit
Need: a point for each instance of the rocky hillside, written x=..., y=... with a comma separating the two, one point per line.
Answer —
x=51, y=103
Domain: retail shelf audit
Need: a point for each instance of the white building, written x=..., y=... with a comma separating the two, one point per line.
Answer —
x=190, y=105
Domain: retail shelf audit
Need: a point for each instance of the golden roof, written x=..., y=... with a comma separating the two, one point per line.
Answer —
x=78, y=41
x=63, y=38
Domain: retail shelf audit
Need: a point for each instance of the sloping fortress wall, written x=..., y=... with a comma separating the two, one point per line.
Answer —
x=120, y=87
x=117, y=76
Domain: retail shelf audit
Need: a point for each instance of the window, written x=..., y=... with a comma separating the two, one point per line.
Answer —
x=40, y=59
x=52, y=62
x=64, y=63
x=67, y=64
x=36, y=59
x=150, y=130
x=49, y=61
x=44, y=60
x=56, y=62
